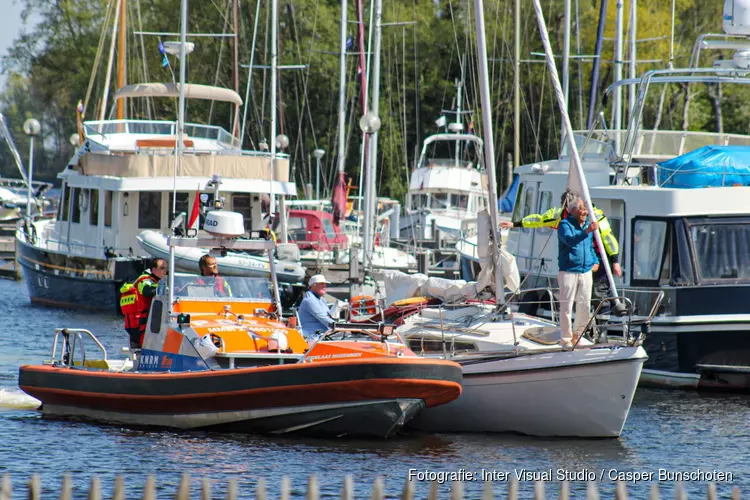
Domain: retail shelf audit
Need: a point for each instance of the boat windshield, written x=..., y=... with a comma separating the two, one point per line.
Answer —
x=206, y=287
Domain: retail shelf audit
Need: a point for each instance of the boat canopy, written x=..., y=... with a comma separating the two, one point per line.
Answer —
x=709, y=166
x=192, y=91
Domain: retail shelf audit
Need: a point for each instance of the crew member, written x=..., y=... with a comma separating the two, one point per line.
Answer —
x=136, y=297
x=209, y=268
x=314, y=313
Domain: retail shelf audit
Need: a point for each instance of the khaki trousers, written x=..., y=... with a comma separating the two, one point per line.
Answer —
x=574, y=287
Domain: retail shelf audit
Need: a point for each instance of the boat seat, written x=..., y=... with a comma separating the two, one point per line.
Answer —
x=545, y=335
x=166, y=142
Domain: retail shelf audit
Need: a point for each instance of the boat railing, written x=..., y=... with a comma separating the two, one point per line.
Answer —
x=103, y=129
x=68, y=340
x=83, y=249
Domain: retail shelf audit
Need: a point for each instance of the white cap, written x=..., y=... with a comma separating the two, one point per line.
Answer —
x=318, y=278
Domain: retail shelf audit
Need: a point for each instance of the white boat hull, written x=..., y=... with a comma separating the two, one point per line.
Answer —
x=233, y=264
x=580, y=393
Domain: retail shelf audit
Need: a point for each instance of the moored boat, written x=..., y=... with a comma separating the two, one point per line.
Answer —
x=217, y=356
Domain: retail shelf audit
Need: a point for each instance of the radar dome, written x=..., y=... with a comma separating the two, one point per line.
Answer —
x=224, y=224
x=736, y=19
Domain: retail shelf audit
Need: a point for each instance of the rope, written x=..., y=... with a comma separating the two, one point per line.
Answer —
x=99, y=48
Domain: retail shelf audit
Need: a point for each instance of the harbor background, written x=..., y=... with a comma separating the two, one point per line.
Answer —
x=676, y=431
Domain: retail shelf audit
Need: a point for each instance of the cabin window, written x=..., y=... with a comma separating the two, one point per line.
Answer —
x=439, y=200
x=528, y=202
x=328, y=228
x=418, y=201
x=157, y=308
x=183, y=205
x=242, y=204
x=108, y=208
x=149, y=210
x=616, y=224
x=649, y=237
x=64, y=204
x=297, y=228
x=460, y=201
x=94, y=207
x=435, y=345
x=76, y=215
x=722, y=249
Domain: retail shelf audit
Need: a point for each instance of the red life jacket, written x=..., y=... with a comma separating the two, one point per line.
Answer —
x=132, y=303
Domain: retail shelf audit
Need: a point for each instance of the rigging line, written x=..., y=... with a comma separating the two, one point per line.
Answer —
x=102, y=38
x=306, y=75
x=580, y=64
x=149, y=100
x=248, y=87
x=416, y=85
x=403, y=105
x=103, y=110
x=455, y=34
x=221, y=55
x=261, y=118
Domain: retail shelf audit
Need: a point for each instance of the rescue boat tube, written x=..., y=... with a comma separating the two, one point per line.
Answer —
x=233, y=264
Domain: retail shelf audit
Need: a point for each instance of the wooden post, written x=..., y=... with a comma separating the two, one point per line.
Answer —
x=149, y=491
x=260, y=490
x=119, y=493
x=735, y=493
x=312, y=487
x=67, y=487
x=95, y=489
x=286, y=485
x=679, y=491
x=487, y=492
x=457, y=490
x=654, y=494
x=408, y=491
x=592, y=491
x=5, y=488
x=513, y=489
x=539, y=490
x=564, y=490
x=347, y=490
x=232, y=489
x=621, y=491
x=433, y=491
x=183, y=490
x=377, y=489
x=34, y=487
x=205, y=489
x=17, y=263
x=712, y=491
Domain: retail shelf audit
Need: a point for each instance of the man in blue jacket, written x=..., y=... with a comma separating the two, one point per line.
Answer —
x=576, y=259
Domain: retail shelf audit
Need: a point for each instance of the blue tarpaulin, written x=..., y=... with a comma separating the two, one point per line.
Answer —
x=709, y=166
x=505, y=204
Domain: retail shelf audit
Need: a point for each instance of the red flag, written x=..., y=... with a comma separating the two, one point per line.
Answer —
x=338, y=200
x=196, y=208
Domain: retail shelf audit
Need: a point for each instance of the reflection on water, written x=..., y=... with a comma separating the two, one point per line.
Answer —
x=670, y=430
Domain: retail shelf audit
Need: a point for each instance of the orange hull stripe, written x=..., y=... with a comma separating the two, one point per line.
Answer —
x=173, y=341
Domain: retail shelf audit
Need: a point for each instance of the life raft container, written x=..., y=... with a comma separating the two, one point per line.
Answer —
x=363, y=305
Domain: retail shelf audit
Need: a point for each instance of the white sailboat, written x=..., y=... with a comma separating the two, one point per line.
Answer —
x=516, y=377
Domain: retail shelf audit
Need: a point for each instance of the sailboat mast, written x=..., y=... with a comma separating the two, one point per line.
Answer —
x=569, y=133
x=342, y=89
x=489, y=142
x=459, y=98
x=121, y=57
x=372, y=167
x=617, y=122
x=517, y=87
x=236, y=65
x=565, y=61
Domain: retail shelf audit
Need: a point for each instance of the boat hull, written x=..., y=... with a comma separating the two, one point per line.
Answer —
x=373, y=398
x=581, y=393
x=61, y=280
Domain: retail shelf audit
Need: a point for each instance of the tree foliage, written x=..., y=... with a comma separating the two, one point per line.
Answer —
x=50, y=66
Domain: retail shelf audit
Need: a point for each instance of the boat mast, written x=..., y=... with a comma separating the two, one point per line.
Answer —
x=517, y=87
x=274, y=78
x=617, y=122
x=565, y=62
x=236, y=65
x=179, y=147
x=632, y=66
x=489, y=143
x=371, y=171
x=108, y=77
x=121, y=57
x=569, y=133
x=342, y=89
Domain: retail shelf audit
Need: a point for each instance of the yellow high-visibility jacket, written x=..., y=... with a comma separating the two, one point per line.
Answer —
x=551, y=218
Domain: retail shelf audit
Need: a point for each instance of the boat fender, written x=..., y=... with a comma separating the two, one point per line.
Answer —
x=205, y=346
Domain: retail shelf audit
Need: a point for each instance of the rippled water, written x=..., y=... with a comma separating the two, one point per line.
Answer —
x=675, y=431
